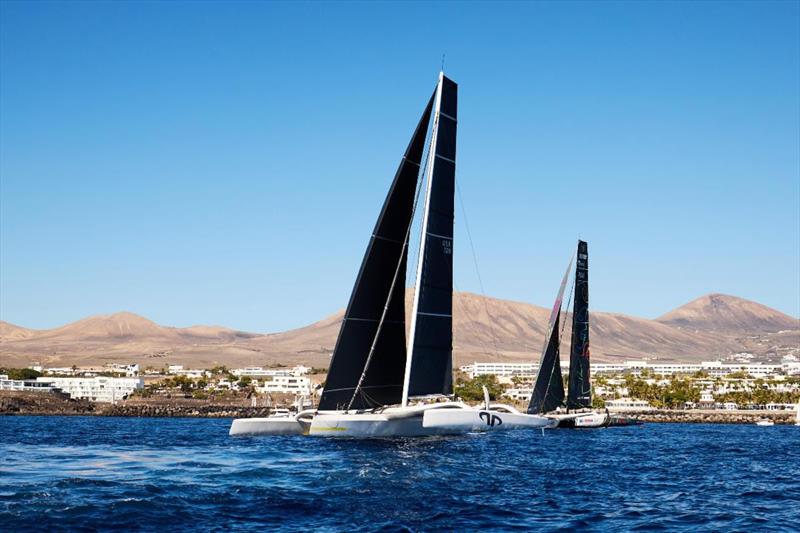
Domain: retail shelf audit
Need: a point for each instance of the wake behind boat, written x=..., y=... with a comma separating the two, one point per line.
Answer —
x=377, y=384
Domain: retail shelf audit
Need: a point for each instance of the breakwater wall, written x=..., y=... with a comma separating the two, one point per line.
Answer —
x=43, y=403
x=697, y=416
x=178, y=410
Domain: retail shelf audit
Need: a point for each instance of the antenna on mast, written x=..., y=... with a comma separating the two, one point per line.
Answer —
x=443, y=55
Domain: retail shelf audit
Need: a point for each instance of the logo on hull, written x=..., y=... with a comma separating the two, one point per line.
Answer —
x=491, y=420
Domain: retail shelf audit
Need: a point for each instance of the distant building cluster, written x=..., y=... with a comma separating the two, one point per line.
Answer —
x=94, y=389
x=115, y=382
x=712, y=380
x=712, y=368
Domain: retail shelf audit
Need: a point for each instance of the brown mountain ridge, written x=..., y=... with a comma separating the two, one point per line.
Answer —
x=711, y=327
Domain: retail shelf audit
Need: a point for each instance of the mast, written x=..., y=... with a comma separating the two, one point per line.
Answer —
x=579, y=395
x=374, y=321
x=429, y=364
x=548, y=392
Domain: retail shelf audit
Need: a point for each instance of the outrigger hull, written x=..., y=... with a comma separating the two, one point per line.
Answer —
x=295, y=425
x=474, y=420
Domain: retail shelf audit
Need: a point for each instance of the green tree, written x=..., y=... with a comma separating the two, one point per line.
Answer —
x=20, y=373
x=471, y=390
x=598, y=402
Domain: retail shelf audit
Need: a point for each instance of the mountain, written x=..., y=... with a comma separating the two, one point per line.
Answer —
x=488, y=329
x=485, y=329
x=11, y=332
x=116, y=327
x=720, y=312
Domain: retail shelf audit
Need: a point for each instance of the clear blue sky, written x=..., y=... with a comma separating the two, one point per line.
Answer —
x=224, y=163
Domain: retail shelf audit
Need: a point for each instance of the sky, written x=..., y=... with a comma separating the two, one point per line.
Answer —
x=224, y=163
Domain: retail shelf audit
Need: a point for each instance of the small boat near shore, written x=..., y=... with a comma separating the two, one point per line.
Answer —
x=765, y=422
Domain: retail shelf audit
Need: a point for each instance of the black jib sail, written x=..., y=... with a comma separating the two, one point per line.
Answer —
x=580, y=389
x=431, y=365
x=548, y=392
x=387, y=250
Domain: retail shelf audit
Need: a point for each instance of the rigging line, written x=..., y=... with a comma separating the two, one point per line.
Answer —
x=477, y=271
x=403, y=253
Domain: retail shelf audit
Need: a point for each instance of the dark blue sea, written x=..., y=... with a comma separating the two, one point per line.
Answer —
x=92, y=473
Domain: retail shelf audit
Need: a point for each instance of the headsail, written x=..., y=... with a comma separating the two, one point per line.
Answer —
x=430, y=366
x=383, y=380
x=580, y=388
x=548, y=392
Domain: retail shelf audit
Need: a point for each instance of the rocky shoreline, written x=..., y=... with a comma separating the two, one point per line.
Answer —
x=44, y=404
x=713, y=417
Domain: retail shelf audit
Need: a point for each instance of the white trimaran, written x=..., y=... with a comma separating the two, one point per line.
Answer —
x=377, y=386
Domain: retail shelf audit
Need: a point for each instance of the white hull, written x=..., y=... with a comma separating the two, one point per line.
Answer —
x=390, y=422
x=294, y=425
x=581, y=420
x=483, y=420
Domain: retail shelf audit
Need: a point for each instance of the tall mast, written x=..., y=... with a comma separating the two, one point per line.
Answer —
x=421, y=258
x=580, y=387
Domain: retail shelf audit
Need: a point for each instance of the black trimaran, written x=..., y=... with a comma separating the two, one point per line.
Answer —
x=548, y=392
x=377, y=385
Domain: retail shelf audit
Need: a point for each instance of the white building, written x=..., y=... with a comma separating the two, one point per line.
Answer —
x=519, y=394
x=712, y=368
x=130, y=370
x=500, y=369
x=96, y=389
x=194, y=373
x=261, y=372
x=625, y=404
x=287, y=384
x=25, y=385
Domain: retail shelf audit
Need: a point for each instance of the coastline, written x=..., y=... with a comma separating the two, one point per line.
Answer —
x=37, y=404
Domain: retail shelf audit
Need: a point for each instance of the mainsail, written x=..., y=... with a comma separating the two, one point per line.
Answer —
x=580, y=389
x=382, y=268
x=429, y=370
x=548, y=392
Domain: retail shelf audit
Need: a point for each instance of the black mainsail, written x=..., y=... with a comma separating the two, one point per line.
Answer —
x=429, y=370
x=548, y=392
x=579, y=394
x=383, y=267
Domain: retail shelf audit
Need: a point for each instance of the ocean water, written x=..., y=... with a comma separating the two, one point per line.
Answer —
x=92, y=473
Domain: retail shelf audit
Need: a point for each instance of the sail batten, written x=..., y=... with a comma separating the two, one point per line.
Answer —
x=580, y=389
x=377, y=300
